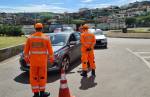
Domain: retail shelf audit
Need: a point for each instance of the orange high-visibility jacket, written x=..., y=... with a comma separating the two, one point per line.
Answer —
x=38, y=47
x=88, y=40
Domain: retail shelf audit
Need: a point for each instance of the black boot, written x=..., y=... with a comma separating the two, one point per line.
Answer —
x=84, y=73
x=93, y=73
x=44, y=94
x=36, y=94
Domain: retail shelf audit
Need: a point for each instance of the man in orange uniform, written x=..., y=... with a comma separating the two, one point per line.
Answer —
x=87, y=41
x=36, y=51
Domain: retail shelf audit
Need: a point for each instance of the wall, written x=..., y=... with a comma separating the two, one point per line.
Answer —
x=9, y=52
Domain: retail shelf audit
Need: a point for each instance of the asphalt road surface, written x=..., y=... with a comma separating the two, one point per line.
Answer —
x=123, y=70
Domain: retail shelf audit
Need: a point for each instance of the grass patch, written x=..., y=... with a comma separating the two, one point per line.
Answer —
x=138, y=30
x=134, y=30
x=11, y=41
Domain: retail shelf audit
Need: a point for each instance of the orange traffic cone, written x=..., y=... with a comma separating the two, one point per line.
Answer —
x=64, y=90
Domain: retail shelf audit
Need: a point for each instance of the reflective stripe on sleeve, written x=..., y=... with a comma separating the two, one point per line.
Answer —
x=51, y=56
x=26, y=56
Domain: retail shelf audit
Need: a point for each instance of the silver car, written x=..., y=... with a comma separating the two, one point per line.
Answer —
x=68, y=29
x=66, y=48
x=101, y=40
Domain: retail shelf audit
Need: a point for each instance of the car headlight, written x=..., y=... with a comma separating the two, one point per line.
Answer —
x=104, y=40
x=58, y=55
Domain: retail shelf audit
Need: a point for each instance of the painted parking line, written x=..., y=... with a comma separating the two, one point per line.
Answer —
x=146, y=57
x=143, y=52
x=138, y=55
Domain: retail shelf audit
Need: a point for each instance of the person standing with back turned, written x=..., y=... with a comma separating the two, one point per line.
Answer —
x=87, y=49
x=37, y=48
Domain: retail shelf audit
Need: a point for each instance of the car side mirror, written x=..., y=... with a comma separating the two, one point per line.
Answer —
x=73, y=43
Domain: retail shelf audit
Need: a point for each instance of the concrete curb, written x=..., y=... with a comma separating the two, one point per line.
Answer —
x=10, y=51
x=128, y=35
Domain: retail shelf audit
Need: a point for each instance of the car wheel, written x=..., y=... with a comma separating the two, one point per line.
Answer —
x=66, y=63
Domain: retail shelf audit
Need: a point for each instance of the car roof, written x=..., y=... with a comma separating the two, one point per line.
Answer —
x=94, y=29
x=65, y=33
x=67, y=27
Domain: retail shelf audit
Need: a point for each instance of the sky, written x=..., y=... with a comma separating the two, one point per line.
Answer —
x=57, y=6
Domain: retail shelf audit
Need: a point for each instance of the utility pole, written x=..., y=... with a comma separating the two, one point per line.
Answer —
x=68, y=18
x=35, y=18
x=96, y=18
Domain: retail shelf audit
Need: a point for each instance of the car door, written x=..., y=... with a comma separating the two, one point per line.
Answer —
x=72, y=48
x=78, y=45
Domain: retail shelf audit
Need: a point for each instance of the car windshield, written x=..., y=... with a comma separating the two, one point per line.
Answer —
x=52, y=27
x=97, y=32
x=58, y=39
x=57, y=30
x=67, y=29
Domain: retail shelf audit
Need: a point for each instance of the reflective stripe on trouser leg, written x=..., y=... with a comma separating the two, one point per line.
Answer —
x=34, y=78
x=35, y=89
x=42, y=88
x=43, y=77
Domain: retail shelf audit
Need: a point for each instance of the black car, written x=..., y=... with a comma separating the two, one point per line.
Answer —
x=66, y=48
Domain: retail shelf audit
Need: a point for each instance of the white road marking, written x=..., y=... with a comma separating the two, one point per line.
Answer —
x=146, y=57
x=142, y=58
x=143, y=52
x=9, y=61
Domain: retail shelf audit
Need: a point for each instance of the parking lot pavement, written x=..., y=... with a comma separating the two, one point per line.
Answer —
x=143, y=55
x=122, y=71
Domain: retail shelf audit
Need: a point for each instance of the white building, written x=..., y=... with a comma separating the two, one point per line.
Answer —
x=28, y=29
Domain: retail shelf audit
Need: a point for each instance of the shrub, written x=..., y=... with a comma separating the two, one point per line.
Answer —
x=10, y=30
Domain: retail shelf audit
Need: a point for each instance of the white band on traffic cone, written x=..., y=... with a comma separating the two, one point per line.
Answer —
x=64, y=86
x=63, y=77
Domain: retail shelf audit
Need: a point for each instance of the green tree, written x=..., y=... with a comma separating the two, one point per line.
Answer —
x=10, y=30
x=146, y=19
x=16, y=31
x=45, y=19
x=1, y=31
x=77, y=21
x=143, y=20
x=131, y=21
x=46, y=28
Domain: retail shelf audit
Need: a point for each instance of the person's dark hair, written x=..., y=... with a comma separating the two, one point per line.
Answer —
x=38, y=29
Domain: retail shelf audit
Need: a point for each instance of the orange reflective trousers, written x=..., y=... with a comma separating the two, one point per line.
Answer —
x=38, y=72
x=37, y=48
x=88, y=41
x=87, y=56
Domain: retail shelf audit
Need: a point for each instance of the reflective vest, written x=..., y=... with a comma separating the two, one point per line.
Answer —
x=38, y=44
x=88, y=40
